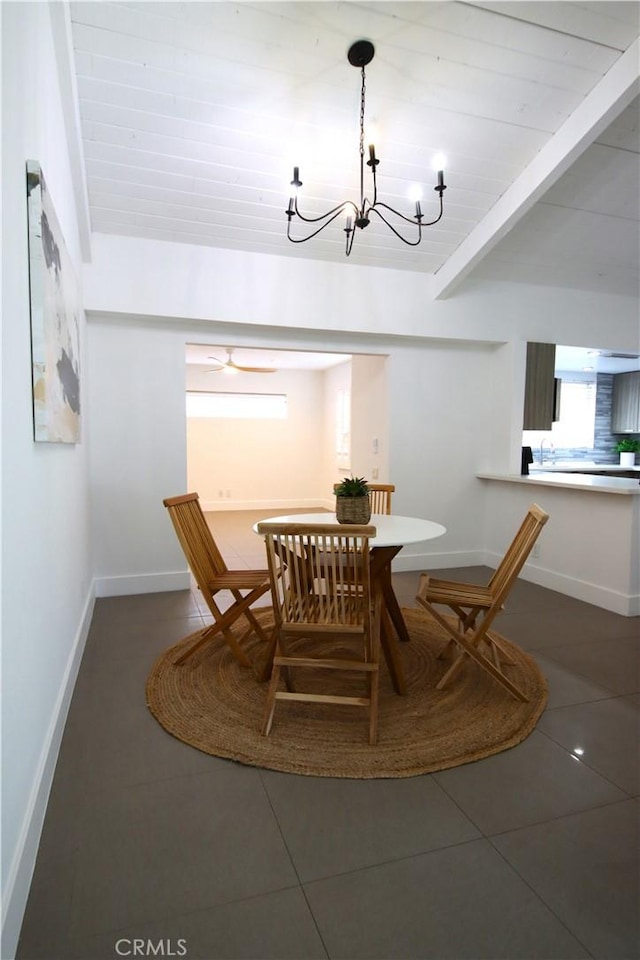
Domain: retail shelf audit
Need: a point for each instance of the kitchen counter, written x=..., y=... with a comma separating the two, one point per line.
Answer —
x=584, y=466
x=571, y=481
x=590, y=549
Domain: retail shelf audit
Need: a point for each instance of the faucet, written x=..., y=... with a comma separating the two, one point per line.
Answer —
x=551, y=450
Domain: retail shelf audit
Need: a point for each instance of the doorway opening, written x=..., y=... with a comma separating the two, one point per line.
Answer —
x=278, y=430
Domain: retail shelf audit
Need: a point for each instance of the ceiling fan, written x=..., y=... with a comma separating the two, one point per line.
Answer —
x=228, y=366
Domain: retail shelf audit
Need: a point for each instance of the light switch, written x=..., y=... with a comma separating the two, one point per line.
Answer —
x=374, y=445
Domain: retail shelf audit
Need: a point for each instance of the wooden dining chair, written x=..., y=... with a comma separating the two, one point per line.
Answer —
x=379, y=496
x=213, y=576
x=321, y=587
x=476, y=607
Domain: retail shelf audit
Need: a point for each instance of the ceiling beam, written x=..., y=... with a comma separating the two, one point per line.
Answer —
x=65, y=62
x=599, y=108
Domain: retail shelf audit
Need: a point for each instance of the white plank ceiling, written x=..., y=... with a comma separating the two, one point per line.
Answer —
x=193, y=115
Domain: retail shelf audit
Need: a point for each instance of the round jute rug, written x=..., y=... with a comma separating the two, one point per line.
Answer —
x=216, y=705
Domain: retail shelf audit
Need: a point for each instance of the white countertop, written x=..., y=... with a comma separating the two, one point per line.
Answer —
x=570, y=481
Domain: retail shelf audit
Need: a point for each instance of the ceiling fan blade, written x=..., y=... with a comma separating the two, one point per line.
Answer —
x=254, y=369
x=229, y=364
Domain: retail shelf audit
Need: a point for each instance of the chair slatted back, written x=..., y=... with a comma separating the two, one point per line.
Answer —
x=326, y=580
x=200, y=549
x=380, y=497
x=517, y=553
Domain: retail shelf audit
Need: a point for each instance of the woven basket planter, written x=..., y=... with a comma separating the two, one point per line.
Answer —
x=353, y=509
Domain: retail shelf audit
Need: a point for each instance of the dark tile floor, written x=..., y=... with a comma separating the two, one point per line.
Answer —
x=531, y=853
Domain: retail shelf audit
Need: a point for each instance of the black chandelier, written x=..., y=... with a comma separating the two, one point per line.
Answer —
x=360, y=54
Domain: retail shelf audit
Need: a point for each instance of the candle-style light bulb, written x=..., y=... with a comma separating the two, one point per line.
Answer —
x=439, y=163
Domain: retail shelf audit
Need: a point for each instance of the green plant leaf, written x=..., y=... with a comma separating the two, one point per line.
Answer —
x=352, y=487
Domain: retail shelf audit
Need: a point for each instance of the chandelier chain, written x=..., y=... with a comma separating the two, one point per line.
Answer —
x=362, y=99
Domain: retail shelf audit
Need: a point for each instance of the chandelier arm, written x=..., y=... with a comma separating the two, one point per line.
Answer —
x=412, y=220
x=315, y=232
x=430, y=223
x=331, y=213
x=409, y=243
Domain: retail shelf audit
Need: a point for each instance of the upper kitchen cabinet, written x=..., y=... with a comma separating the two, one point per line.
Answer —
x=540, y=392
x=625, y=411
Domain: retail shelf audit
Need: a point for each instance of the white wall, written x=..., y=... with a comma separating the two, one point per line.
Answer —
x=370, y=418
x=337, y=379
x=46, y=578
x=455, y=405
x=437, y=395
x=442, y=416
x=136, y=397
x=161, y=279
x=259, y=463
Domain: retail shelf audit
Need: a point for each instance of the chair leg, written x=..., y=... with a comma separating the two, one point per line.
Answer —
x=208, y=634
x=469, y=648
x=446, y=650
x=374, y=687
x=267, y=666
x=500, y=655
x=451, y=672
x=254, y=626
x=373, y=707
x=270, y=705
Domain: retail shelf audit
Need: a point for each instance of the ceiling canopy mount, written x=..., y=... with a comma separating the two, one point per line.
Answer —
x=361, y=53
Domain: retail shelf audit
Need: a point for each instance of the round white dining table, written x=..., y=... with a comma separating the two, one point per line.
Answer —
x=391, y=529
x=393, y=532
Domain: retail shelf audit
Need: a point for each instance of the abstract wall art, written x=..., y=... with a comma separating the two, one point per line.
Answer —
x=55, y=320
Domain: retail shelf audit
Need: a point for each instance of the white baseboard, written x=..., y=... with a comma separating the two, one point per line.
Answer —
x=278, y=506
x=14, y=899
x=625, y=604
x=142, y=583
x=406, y=560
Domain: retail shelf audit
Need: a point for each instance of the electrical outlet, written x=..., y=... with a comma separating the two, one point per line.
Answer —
x=228, y=494
x=374, y=473
x=221, y=493
x=535, y=552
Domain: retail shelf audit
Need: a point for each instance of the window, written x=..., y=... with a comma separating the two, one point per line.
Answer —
x=576, y=426
x=252, y=406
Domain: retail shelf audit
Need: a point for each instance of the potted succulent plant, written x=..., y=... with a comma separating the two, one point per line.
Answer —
x=627, y=449
x=352, y=501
